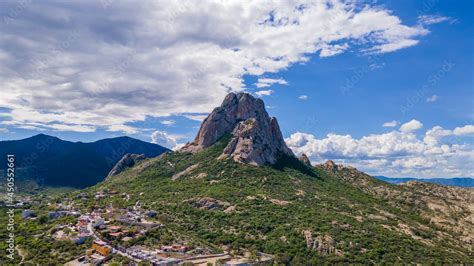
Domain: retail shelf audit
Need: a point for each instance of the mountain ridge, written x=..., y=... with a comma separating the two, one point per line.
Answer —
x=453, y=181
x=44, y=160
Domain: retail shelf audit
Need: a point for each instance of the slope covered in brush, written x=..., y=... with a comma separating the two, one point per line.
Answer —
x=299, y=213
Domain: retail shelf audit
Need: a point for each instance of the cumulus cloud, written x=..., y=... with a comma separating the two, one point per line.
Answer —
x=467, y=130
x=432, y=98
x=164, y=139
x=433, y=135
x=396, y=153
x=413, y=125
x=90, y=65
x=303, y=97
x=392, y=123
x=264, y=93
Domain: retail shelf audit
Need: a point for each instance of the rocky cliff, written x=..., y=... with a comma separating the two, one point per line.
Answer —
x=255, y=137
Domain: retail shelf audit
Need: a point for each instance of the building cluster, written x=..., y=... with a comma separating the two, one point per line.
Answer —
x=109, y=230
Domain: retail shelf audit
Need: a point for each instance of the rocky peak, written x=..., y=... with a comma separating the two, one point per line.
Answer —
x=329, y=165
x=128, y=160
x=304, y=159
x=255, y=137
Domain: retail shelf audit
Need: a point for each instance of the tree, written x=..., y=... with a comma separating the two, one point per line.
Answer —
x=42, y=219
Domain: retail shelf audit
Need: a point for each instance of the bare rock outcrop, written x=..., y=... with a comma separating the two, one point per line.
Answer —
x=304, y=159
x=128, y=160
x=255, y=137
x=208, y=203
x=323, y=244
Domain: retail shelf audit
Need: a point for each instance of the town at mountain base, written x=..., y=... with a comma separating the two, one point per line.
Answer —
x=237, y=194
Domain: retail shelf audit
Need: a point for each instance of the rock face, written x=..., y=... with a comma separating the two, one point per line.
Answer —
x=331, y=166
x=255, y=137
x=128, y=160
x=208, y=203
x=303, y=158
x=323, y=244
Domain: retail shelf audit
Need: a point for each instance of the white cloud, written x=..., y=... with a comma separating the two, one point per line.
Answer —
x=413, y=125
x=331, y=50
x=303, y=97
x=148, y=59
x=267, y=82
x=264, y=93
x=392, y=123
x=75, y=128
x=123, y=128
x=432, y=19
x=395, y=45
x=465, y=130
x=168, y=122
x=164, y=139
x=3, y=130
x=432, y=98
x=395, y=153
x=433, y=135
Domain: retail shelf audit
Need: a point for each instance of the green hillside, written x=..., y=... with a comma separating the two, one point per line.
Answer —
x=272, y=208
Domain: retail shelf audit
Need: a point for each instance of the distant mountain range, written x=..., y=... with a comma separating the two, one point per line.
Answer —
x=457, y=181
x=44, y=160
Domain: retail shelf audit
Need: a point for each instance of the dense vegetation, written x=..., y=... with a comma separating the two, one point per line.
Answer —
x=33, y=240
x=273, y=206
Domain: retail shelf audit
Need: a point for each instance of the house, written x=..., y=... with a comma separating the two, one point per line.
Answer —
x=101, y=248
x=175, y=248
x=98, y=223
x=116, y=234
x=82, y=221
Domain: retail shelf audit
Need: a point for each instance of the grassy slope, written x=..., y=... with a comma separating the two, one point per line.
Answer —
x=328, y=206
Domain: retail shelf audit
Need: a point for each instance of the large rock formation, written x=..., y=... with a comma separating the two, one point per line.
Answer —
x=128, y=160
x=255, y=137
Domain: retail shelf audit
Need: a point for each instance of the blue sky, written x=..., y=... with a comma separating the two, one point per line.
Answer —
x=338, y=69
